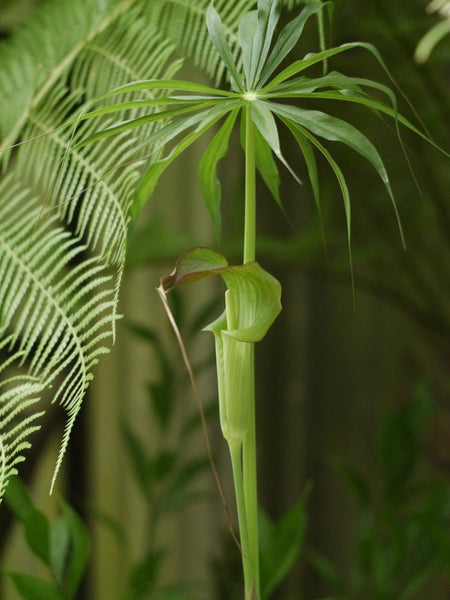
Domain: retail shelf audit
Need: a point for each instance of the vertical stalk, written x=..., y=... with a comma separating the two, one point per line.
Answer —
x=249, y=443
x=250, y=481
x=235, y=447
x=250, y=190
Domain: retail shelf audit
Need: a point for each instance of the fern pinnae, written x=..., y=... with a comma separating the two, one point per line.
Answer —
x=59, y=52
x=61, y=264
x=21, y=394
x=57, y=331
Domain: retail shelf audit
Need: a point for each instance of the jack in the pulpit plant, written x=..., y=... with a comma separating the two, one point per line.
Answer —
x=262, y=97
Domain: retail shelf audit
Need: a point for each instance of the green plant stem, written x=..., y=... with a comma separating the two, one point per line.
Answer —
x=236, y=462
x=250, y=190
x=250, y=479
x=249, y=443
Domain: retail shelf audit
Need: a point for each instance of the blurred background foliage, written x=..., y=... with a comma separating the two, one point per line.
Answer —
x=353, y=404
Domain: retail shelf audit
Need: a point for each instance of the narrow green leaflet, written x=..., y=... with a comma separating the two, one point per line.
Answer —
x=268, y=14
x=301, y=85
x=154, y=171
x=267, y=166
x=374, y=104
x=266, y=124
x=218, y=38
x=163, y=84
x=312, y=59
x=133, y=104
x=145, y=120
x=246, y=31
x=286, y=41
x=209, y=182
x=311, y=165
x=299, y=131
x=334, y=129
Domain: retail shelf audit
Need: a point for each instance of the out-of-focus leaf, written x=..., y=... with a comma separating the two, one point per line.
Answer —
x=37, y=532
x=59, y=549
x=194, y=423
x=156, y=240
x=144, y=576
x=18, y=499
x=36, y=525
x=355, y=482
x=178, y=492
x=163, y=464
x=325, y=568
x=78, y=553
x=69, y=550
x=431, y=39
x=280, y=545
x=400, y=441
x=138, y=458
x=162, y=400
x=32, y=588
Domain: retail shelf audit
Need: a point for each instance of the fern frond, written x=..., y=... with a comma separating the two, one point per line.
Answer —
x=42, y=52
x=64, y=213
x=17, y=423
x=59, y=303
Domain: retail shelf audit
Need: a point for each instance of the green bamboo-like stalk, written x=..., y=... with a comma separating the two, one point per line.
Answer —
x=249, y=443
x=243, y=451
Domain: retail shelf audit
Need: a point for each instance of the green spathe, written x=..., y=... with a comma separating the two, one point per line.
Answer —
x=253, y=301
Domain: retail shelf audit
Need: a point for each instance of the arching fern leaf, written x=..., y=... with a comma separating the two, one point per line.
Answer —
x=18, y=421
x=64, y=214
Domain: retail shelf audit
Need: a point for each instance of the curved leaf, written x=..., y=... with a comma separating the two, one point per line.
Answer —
x=334, y=129
x=150, y=178
x=209, y=183
x=300, y=132
x=287, y=39
x=218, y=37
x=252, y=304
x=266, y=124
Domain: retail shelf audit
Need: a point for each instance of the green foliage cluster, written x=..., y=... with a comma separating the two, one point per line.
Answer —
x=401, y=540
x=63, y=247
x=64, y=222
x=63, y=545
